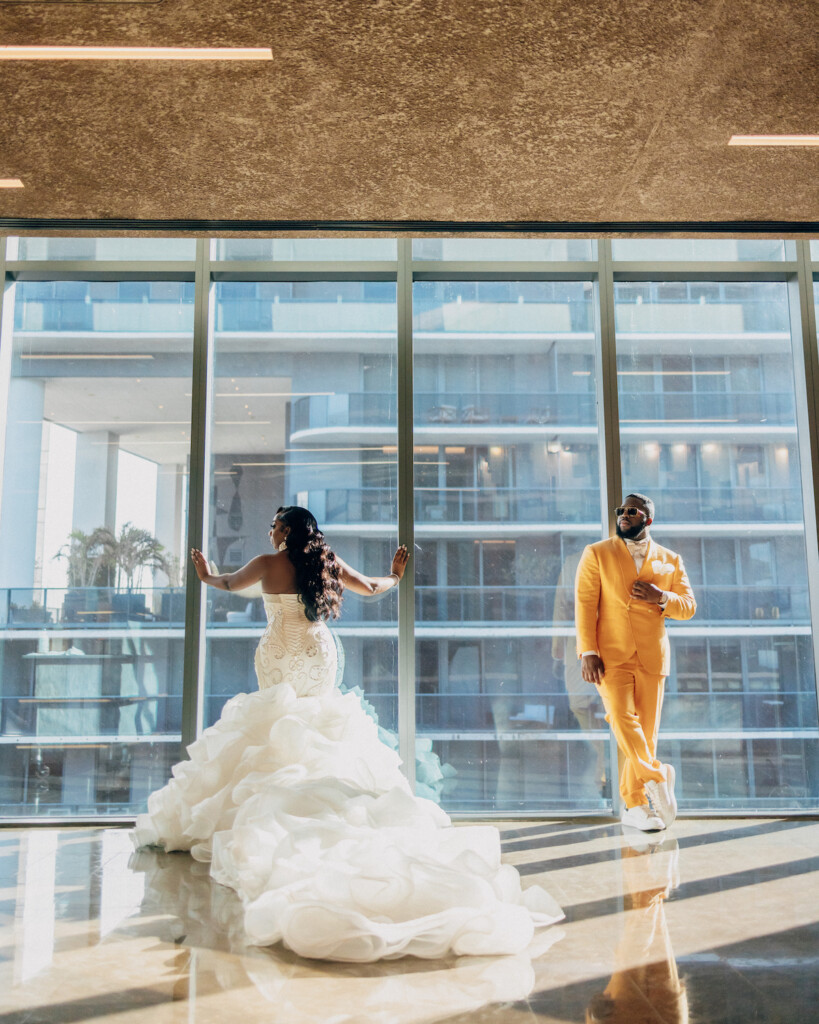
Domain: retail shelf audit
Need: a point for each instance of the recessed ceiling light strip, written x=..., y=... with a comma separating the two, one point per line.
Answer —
x=134, y=53
x=774, y=140
x=10, y=183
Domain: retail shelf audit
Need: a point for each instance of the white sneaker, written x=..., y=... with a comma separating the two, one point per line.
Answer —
x=642, y=817
x=661, y=795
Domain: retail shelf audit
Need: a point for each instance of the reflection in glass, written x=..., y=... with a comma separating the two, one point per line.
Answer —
x=506, y=494
x=708, y=430
x=94, y=501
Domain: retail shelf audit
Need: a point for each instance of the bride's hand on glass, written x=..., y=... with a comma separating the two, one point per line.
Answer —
x=399, y=561
x=200, y=563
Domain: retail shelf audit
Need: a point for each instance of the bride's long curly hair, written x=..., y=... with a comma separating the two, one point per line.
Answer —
x=317, y=569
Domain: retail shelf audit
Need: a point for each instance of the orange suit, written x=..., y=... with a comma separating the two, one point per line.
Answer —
x=630, y=637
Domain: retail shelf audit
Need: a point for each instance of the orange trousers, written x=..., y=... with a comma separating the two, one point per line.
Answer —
x=633, y=699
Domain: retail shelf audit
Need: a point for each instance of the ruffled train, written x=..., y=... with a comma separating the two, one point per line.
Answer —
x=304, y=812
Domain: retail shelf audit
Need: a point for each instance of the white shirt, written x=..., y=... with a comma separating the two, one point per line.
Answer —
x=638, y=549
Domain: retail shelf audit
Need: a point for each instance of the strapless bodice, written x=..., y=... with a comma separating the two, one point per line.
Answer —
x=286, y=607
x=295, y=649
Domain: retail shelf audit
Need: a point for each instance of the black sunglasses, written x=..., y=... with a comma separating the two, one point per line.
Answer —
x=630, y=510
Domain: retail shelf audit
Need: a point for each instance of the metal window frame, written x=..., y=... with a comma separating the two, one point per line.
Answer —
x=193, y=669
x=406, y=513
x=602, y=271
x=805, y=350
x=6, y=346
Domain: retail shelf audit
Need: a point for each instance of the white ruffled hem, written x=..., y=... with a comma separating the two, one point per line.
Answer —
x=305, y=813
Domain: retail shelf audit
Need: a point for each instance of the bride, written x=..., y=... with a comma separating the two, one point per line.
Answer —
x=303, y=811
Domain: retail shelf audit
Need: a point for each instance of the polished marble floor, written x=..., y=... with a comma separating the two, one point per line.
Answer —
x=714, y=921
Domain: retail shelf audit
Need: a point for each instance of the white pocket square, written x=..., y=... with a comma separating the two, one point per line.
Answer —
x=662, y=568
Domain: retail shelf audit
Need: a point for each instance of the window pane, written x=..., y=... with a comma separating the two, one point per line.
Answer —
x=306, y=249
x=92, y=544
x=688, y=249
x=506, y=496
x=708, y=430
x=101, y=249
x=550, y=249
x=304, y=414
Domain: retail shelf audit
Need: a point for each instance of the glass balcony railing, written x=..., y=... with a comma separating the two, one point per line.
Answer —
x=681, y=407
x=506, y=505
x=81, y=608
x=340, y=505
x=374, y=408
x=698, y=713
x=441, y=408
x=103, y=317
x=784, y=605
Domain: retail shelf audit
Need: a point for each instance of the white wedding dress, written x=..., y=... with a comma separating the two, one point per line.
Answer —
x=303, y=811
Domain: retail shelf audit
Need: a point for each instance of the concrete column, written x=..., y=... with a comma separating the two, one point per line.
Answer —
x=95, y=488
x=170, y=493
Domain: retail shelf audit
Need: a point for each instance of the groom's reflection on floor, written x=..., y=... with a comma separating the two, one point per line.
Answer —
x=645, y=987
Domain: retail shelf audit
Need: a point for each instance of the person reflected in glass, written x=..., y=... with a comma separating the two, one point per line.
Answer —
x=300, y=808
x=626, y=587
x=584, y=698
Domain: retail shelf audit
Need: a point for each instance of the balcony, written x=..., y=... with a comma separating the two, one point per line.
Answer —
x=65, y=315
x=83, y=608
x=507, y=505
x=547, y=710
x=343, y=506
x=374, y=408
x=682, y=407
x=79, y=608
x=544, y=408
x=735, y=605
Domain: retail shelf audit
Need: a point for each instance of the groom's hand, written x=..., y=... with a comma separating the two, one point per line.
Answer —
x=591, y=668
x=645, y=591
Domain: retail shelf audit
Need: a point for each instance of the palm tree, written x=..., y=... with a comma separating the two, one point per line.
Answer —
x=90, y=556
x=136, y=549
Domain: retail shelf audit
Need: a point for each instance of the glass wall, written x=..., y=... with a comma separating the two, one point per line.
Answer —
x=96, y=441
x=506, y=497
x=708, y=429
x=304, y=413
x=96, y=389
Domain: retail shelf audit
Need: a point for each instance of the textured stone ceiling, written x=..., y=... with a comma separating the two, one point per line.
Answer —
x=466, y=110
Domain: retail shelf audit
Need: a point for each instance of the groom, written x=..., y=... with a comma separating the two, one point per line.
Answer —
x=625, y=589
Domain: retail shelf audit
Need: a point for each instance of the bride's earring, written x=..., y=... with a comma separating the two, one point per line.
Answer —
x=282, y=546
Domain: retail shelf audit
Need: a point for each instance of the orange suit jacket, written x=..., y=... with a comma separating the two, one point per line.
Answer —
x=616, y=625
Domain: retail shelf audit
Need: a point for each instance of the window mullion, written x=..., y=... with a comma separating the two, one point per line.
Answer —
x=406, y=520
x=806, y=399
x=194, y=645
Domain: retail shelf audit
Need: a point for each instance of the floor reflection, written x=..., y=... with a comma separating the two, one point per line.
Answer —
x=646, y=986
x=713, y=922
x=208, y=922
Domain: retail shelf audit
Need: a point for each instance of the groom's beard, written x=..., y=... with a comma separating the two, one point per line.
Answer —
x=631, y=533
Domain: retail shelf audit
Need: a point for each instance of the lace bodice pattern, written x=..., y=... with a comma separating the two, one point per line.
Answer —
x=294, y=649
